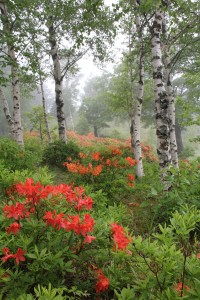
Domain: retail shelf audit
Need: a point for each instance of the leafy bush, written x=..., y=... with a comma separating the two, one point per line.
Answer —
x=16, y=157
x=50, y=244
x=8, y=178
x=56, y=153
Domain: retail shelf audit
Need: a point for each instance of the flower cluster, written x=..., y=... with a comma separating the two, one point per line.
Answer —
x=131, y=179
x=119, y=236
x=82, y=170
x=34, y=192
x=18, y=256
x=102, y=283
x=70, y=222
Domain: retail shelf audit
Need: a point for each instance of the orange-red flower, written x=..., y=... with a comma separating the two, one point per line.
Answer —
x=119, y=236
x=16, y=211
x=14, y=228
x=96, y=155
x=117, y=152
x=97, y=170
x=131, y=177
x=130, y=161
x=102, y=283
x=18, y=256
x=179, y=287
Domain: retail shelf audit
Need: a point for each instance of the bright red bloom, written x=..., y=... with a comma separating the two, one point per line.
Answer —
x=102, y=283
x=30, y=190
x=131, y=177
x=96, y=155
x=97, y=170
x=14, y=227
x=108, y=162
x=19, y=255
x=54, y=220
x=116, y=152
x=88, y=239
x=87, y=225
x=119, y=236
x=16, y=211
x=130, y=161
x=80, y=227
x=7, y=253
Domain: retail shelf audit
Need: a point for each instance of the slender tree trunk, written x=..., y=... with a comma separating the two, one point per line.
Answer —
x=161, y=99
x=16, y=99
x=15, y=79
x=58, y=84
x=171, y=99
x=7, y=114
x=44, y=107
x=138, y=111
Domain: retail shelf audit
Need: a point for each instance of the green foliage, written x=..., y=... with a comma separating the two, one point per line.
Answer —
x=82, y=126
x=8, y=178
x=56, y=153
x=16, y=158
x=50, y=293
x=37, y=121
x=94, y=107
x=164, y=266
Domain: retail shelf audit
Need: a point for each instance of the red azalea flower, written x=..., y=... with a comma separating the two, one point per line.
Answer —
x=16, y=211
x=131, y=177
x=102, y=283
x=96, y=156
x=19, y=255
x=198, y=255
x=130, y=161
x=88, y=239
x=14, y=227
x=119, y=236
x=7, y=253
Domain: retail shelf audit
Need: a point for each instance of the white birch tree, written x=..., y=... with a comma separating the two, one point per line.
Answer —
x=7, y=30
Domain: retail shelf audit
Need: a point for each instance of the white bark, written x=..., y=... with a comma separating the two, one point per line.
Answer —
x=136, y=122
x=58, y=84
x=16, y=98
x=7, y=114
x=161, y=99
x=15, y=80
x=171, y=99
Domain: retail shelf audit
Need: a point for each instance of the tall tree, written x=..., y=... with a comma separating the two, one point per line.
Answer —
x=161, y=99
x=135, y=113
x=12, y=61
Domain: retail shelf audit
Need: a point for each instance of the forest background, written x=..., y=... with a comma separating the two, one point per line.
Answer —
x=99, y=174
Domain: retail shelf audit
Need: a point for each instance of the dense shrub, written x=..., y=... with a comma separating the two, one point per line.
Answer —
x=16, y=157
x=48, y=252
x=56, y=153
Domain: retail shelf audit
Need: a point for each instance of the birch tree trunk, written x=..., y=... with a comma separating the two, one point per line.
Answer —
x=7, y=114
x=16, y=98
x=161, y=99
x=138, y=111
x=14, y=75
x=44, y=107
x=58, y=84
x=171, y=99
